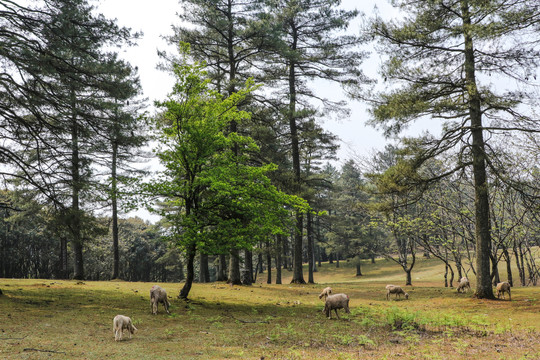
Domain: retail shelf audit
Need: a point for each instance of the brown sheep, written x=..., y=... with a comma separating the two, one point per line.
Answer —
x=395, y=289
x=158, y=295
x=335, y=302
x=503, y=287
x=121, y=322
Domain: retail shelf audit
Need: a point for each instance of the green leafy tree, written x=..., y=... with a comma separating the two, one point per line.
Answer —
x=213, y=197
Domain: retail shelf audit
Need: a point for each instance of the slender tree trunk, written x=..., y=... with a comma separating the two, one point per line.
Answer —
x=75, y=224
x=358, y=268
x=284, y=247
x=298, y=275
x=446, y=275
x=495, y=278
x=521, y=258
x=190, y=269
x=269, y=262
x=279, y=240
x=63, y=273
x=518, y=265
x=484, y=289
x=507, y=259
x=114, y=190
x=451, y=275
x=311, y=265
x=260, y=260
x=318, y=250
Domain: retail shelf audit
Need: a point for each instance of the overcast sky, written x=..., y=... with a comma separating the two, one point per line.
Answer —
x=155, y=18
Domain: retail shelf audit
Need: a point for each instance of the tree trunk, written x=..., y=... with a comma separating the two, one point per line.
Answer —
x=234, y=268
x=298, y=275
x=285, y=247
x=114, y=190
x=358, y=268
x=75, y=223
x=495, y=278
x=260, y=256
x=309, y=229
x=409, y=276
x=247, y=278
x=507, y=259
x=222, y=268
x=63, y=266
x=279, y=239
x=204, y=271
x=269, y=262
x=190, y=268
x=484, y=289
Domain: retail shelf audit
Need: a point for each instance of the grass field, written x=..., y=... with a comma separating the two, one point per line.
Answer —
x=56, y=319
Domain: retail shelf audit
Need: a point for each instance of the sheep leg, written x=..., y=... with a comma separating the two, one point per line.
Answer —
x=166, y=304
x=336, y=313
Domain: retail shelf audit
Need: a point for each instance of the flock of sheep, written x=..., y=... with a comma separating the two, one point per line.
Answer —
x=331, y=302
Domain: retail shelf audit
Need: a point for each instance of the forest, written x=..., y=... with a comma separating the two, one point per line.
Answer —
x=248, y=179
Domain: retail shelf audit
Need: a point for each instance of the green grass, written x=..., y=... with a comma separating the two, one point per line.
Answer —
x=44, y=319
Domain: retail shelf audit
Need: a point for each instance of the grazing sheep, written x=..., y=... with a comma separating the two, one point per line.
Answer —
x=158, y=295
x=503, y=287
x=335, y=302
x=326, y=292
x=463, y=285
x=397, y=290
x=121, y=322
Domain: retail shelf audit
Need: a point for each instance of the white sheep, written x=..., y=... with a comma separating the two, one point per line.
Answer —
x=158, y=295
x=326, y=292
x=503, y=287
x=463, y=285
x=121, y=322
x=397, y=290
x=335, y=302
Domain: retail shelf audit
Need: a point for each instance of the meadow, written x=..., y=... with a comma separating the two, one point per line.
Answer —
x=59, y=319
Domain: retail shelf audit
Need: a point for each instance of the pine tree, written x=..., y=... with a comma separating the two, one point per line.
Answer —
x=307, y=46
x=442, y=55
x=69, y=92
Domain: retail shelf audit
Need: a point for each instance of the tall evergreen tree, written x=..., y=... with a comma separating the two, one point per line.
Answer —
x=309, y=46
x=441, y=55
x=76, y=71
